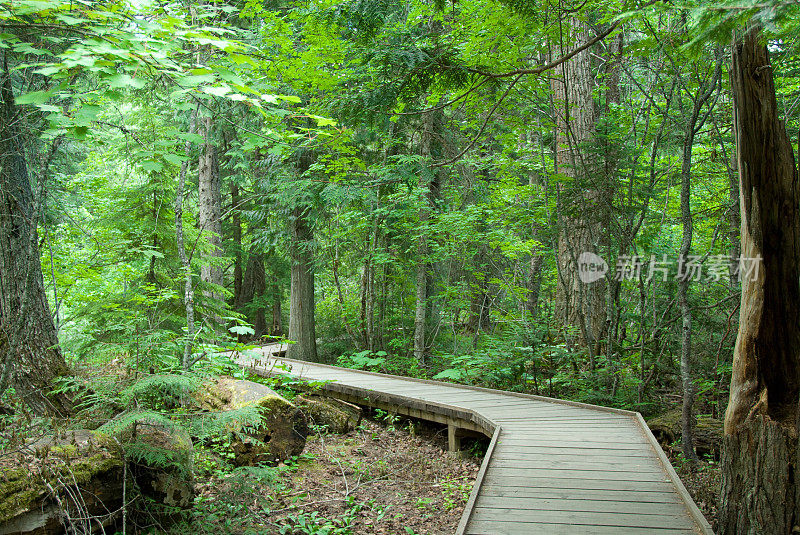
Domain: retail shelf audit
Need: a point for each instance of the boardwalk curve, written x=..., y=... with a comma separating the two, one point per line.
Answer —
x=552, y=467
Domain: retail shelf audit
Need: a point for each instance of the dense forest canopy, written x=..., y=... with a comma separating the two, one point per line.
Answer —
x=541, y=197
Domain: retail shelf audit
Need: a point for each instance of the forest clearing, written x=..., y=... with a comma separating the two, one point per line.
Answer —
x=420, y=266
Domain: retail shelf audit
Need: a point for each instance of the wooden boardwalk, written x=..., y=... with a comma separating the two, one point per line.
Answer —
x=552, y=466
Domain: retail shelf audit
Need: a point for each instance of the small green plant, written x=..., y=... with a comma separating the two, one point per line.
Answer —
x=388, y=418
x=364, y=360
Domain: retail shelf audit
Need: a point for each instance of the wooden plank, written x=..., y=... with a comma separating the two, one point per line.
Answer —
x=484, y=404
x=550, y=411
x=582, y=451
x=585, y=518
x=576, y=442
x=555, y=493
x=565, y=483
x=597, y=435
x=583, y=427
x=597, y=506
x=573, y=463
x=505, y=527
x=556, y=417
x=568, y=473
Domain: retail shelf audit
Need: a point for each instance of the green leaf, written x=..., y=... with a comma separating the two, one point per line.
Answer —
x=174, y=158
x=124, y=80
x=34, y=97
x=242, y=330
x=217, y=91
x=152, y=165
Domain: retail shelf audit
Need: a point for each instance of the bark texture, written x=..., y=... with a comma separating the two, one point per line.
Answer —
x=429, y=183
x=210, y=210
x=188, y=285
x=302, y=327
x=254, y=287
x=580, y=305
x=30, y=358
x=759, y=472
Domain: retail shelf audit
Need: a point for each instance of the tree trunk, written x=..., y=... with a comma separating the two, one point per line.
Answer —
x=188, y=285
x=429, y=184
x=301, y=303
x=696, y=121
x=254, y=286
x=760, y=478
x=277, y=321
x=534, y=285
x=210, y=214
x=687, y=424
x=581, y=305
x=237, y=245
x=30, y=358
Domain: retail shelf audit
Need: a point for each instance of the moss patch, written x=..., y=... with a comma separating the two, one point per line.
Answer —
x=78, y=458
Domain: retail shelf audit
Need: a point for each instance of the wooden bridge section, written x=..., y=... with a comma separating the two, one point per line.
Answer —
x=552, y=466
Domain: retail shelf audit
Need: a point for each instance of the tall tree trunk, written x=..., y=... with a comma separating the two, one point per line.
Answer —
x=237, y=245
x=151, y=274
x=581, y=305
x=534, y=285
x=210, y=213
x=479, y=303
x=186, y=264
x=302, y=328
x=696, y=121
x=760, y=466
x=301, y=303
x=254, y=286
x=277, y=321
x=429, y=185
x=687, y=424
x=30, y=357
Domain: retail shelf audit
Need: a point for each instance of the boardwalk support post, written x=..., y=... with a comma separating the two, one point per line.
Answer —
x=453, y=439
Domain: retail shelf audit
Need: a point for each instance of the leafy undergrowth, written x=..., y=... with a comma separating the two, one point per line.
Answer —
x=373, y=480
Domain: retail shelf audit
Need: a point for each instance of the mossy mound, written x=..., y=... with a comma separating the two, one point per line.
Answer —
x=38, y=486
x=708, y=432
x=283, y=428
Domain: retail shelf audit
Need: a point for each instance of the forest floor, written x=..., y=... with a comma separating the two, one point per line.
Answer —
x=376, y=479
x=703, y=483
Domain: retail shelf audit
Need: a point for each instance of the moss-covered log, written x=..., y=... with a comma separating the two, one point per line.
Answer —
x=329, y=414
x=283, y=429
x=71, y=481
x=707, y=432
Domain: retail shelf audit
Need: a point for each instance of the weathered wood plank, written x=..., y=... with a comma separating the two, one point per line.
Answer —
x=582, y=451
x=577, y=442
x=585, y=518
x=566, y=504
x=568, y=473
x=505, y=527
x=572, y=463
x=616, y=495
x=594, y=484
